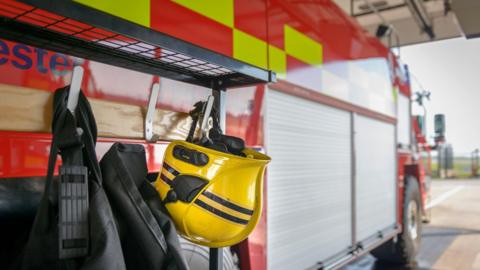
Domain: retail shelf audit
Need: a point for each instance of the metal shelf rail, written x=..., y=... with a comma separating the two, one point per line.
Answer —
x=68, y=27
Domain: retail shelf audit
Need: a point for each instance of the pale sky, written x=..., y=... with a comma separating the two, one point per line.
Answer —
x=450, y=70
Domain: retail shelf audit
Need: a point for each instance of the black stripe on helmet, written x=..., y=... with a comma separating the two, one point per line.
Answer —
x=228, y=204
x=220, y=213
x=165, y=179
x=170, y=169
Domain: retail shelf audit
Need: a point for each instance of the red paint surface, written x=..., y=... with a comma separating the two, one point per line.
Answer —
x=342, y=38
x=408, y=165
x=424, y=161
x=180, y=22
x=416, y=164
x=26, y=154
x=250, y=17
x=403, y=160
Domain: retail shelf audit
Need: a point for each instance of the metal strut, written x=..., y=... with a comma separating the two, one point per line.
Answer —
x=216, y=254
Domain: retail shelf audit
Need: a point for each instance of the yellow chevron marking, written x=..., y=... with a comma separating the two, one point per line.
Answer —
x=302, y=47
x=249, y=49
x=219, y=11
x=277, y=60
x=135, y=11
x=246, y=47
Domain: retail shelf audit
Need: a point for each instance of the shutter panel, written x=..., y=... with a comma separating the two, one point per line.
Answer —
x=375, y=176
x=309, y=181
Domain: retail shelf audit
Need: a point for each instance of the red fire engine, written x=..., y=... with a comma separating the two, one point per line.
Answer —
x=350, y=168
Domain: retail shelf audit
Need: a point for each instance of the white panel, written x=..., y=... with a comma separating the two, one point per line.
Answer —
x=375, y=176
x=309, y=181
x=403, y=120
x=363, y=82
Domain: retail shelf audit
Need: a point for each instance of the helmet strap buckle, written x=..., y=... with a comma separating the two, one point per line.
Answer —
x=171, y=197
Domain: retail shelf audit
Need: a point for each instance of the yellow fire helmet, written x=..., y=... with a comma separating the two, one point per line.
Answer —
x=214, y=197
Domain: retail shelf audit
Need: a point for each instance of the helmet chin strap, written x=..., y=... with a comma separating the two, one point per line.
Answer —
x=185, y=188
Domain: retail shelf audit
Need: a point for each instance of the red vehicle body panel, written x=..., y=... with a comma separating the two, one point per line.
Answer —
x=342, y=40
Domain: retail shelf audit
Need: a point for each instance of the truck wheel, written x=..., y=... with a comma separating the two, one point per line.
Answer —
x=198, y=256
x=405, y=248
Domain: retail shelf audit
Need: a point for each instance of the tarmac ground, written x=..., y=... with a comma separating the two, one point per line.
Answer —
x=451, y=241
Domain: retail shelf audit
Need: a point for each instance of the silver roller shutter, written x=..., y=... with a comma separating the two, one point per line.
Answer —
x=308, y=182
x=375, y=176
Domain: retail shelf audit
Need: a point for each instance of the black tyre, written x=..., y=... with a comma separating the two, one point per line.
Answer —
x=407, y=244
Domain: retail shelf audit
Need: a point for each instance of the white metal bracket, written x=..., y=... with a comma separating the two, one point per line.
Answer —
x=75, y=84
x=206, y=116
x=152, y=102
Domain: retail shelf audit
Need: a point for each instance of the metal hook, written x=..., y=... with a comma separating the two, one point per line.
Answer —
x=152, y=102
x=75, y=84
x=206, y=115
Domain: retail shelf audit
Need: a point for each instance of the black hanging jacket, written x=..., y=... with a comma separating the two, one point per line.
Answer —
x=148, y=236
x=77, y=149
